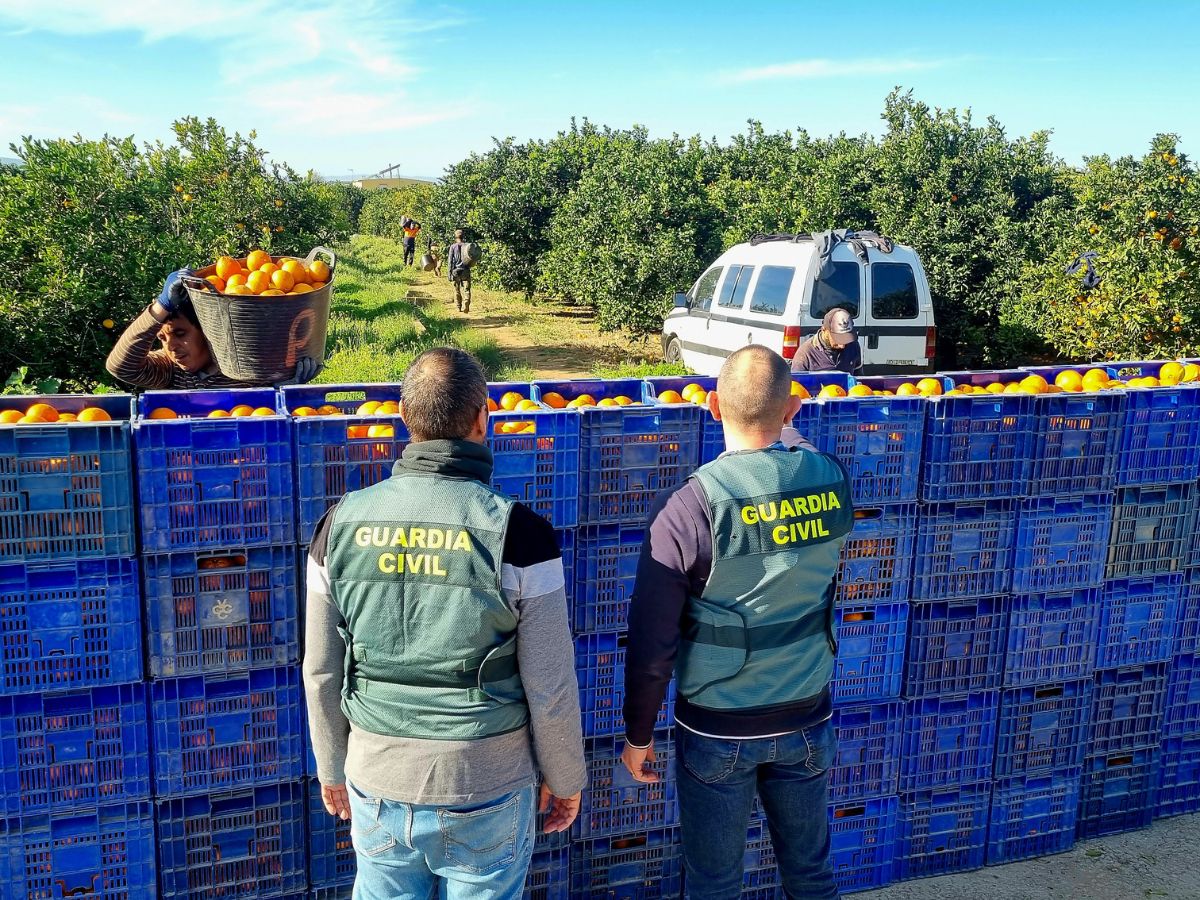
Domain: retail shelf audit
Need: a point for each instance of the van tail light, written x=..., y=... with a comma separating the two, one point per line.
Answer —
x=930, y=343
x=791, y=341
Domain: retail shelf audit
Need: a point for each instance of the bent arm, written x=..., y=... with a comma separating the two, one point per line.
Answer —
x=133, y=362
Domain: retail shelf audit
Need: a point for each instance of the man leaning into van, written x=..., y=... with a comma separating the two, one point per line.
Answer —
x=834, y=348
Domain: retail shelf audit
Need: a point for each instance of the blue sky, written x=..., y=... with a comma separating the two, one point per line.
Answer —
x=353, y=85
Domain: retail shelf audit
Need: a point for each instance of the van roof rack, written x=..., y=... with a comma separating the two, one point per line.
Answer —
x=825, y=241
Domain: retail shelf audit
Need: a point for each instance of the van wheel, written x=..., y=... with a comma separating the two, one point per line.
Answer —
x=674, y=351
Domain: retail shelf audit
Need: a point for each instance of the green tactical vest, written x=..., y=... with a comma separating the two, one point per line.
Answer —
x=761, y=634
x=414, y=569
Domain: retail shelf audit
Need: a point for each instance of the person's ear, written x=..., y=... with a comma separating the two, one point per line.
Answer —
x=793, y=407
x=400, y=409
x=714, y=405
x=481, y=423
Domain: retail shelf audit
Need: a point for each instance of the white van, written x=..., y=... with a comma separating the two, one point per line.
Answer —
x=770, y=293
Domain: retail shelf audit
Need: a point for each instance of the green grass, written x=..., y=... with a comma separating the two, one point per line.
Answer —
x=376, y=329
x=642, y=370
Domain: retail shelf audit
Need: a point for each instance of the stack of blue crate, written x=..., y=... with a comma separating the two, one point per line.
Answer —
x=74, y=761
x=220, y=587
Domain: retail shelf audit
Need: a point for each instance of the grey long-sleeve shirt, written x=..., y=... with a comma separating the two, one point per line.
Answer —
x=412, y=770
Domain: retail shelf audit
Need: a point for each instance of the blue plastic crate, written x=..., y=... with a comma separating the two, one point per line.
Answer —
x=606, y=559
x=641, y=865
x=878, y=438
x=876, y=564
x=1137, y=620
x=1061, y=543
x=949, y=740
x=868, y=753
x=103, y=853
x=69, y=624
x=760, y=871
x=59, y=751
x=964, y=549
x=214, y=611
x=1052, y=637
x=955, y=646
x=1127, y=708
x=977, y=447
x=567, y=538
x=614, y=803
x=343, y=892
x=628, y=454
x=213, y=483
x=539, y=465
x=549, y=875
x=862, y=838
x=870, y=655
x=1179, y=776
x=1043, y=728
x=1183, y=696
x=335, y=454
x=943, y=831
x=331, y=859
x=600, y=668
x=1118, y=792
x=1161, y=430
x=712, y=433
x=1187, y=626
x=217, y=732
x=66, y=490
x=1074, y=447
x=1033, y=815
x=1153, y=528
x=247, y=843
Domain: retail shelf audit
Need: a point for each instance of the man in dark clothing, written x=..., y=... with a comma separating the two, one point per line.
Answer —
x=734, y=594
x=460, y=272
x=834, y=348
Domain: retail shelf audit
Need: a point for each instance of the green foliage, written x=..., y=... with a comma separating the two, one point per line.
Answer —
x=347, y=202
x=383, y=209
x=1142, y=219
x=89, y=229
x=18, y=383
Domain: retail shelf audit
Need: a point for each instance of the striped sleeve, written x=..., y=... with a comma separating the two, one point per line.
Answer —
x=133, y=362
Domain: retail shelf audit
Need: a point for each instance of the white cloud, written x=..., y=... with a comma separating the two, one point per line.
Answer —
x=830, y=68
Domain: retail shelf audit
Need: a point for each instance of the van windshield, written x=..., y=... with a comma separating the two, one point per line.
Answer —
x=837, y=287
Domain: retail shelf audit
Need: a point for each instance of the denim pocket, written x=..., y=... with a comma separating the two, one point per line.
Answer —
x=709, y=760
x=480, y=841
x=367, y=833
x=822, y=747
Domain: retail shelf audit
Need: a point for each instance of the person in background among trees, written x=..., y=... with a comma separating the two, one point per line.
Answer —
x=460, y=271
x=411, y=229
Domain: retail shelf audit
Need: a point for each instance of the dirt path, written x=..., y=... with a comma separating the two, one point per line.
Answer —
x=554, y=340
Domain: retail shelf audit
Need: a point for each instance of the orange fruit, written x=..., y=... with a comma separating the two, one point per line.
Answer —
x=690, y=389
x=238, y=279
x=368, y=408
x=1151, y=381
x=832, y=390
x=268, y=269
x=1191, y=372
x=217, y=282
x=995, y=388
x=378, y=431
x=1013, y=387
x=582, y=400
x=1069, y=380
x=1094, y=380
x=272, y=292
x=67, y=417
x=861, y=390
x=1053, y=389
x=493, y=406
x=239, y=290
x=799, y=390
x=510, y=400
x=358, y=431
x=301, y=289
x=966, y=389
x=43, y=411
x=317, y=285
x=929, y=387
x=162, y=412
x=218, y=414
x=908, y=389
x=1170, y=374
x=608, y=401
x=258, y=282
x=622, y=400
x=700, y=398
x=1034, y=384
x=388, y=408
x=328, y=410
x=296, y=269
x=526, y=405
x=283, y=280
x=554, y=400
x=304, y=411
x=226, y=266
x=671, y=397
x=263, y=411
x=319, y=271
x=241, y=410
x=256, y=259
x=93, y=414
x=10, y=417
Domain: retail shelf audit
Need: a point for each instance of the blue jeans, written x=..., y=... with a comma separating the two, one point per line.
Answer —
x=717, y=779
x=410, y=852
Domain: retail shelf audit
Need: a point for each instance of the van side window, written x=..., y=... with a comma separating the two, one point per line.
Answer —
x=771, y=291
x=733, y=289
x=893, y=291
x=838, y=288
x=702, y=293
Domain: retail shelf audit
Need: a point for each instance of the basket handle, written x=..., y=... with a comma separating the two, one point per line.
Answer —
x=196, y=282
x=312, y=254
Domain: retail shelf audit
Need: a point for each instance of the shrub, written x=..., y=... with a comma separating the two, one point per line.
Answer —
x=383, y=209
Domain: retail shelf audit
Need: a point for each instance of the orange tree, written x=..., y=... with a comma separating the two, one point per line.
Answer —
x=89, y=229
x=1137, y=222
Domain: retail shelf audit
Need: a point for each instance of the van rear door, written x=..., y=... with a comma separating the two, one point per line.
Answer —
x=894, y=331
x=840, y=285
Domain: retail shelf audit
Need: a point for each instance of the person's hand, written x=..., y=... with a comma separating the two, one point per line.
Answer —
x=640, y=762
x=307, y=369
x=563, y=810
x=173, y=292
x=337, y=800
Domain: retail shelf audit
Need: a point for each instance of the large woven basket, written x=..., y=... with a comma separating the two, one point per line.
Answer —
x=260, y=339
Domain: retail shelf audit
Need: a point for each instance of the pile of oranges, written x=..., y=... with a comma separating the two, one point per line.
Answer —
x=369, y=408
x=260, y=275
x=46, y=414
x=240, y=411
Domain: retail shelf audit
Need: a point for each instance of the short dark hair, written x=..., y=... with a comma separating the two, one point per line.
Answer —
x=444, y=389
x=187, y=310
x=754, y=386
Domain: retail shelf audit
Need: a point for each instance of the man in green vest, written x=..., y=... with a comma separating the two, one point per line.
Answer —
x=439, y=666
x=734, y=594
